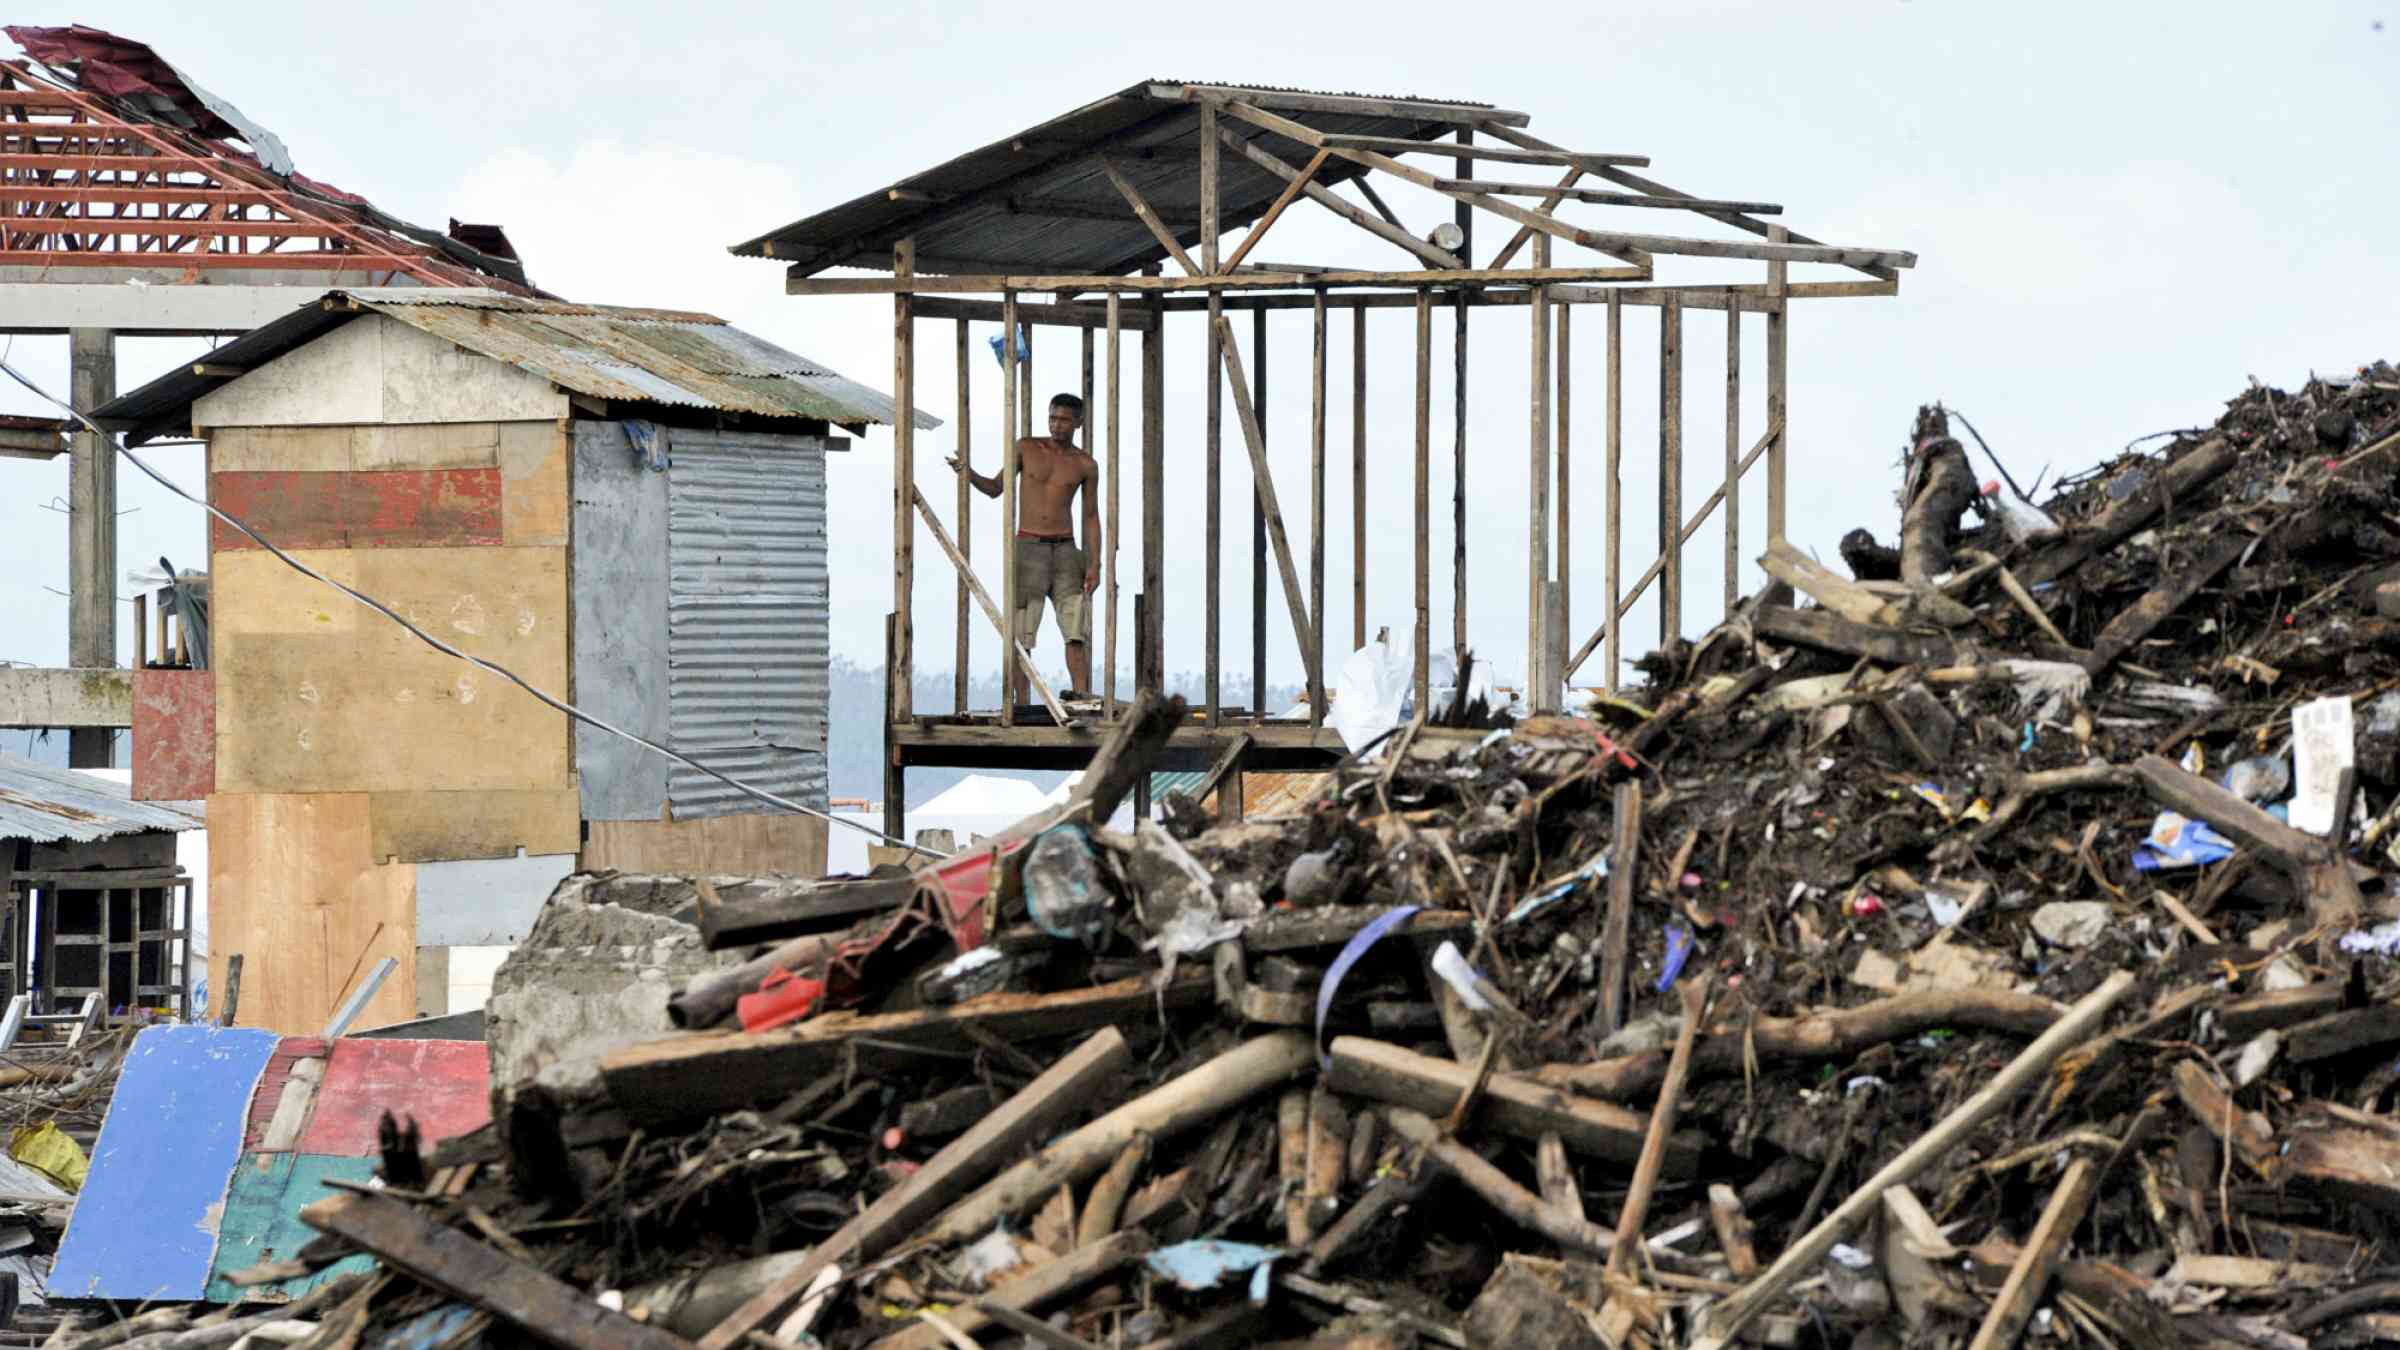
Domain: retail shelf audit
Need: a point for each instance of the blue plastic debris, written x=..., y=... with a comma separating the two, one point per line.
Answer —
x=2382, y=940
x=1595, y=870
x=2176, y=841
x=1352, y=950
x=2025, y=742
x=1024, y=346
x=1203, y=1263
x=1679, y=950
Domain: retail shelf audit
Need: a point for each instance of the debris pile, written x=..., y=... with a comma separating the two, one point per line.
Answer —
x=1997, y=944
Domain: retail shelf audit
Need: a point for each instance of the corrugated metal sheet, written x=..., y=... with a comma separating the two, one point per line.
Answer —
x=747, y=616
x=624, y=356
x=1000, y=229
x=620, y=599
x=47, y=805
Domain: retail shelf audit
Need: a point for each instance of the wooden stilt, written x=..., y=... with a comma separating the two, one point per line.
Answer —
x=1258, y=526
x=1358, y=479
x=1424, y=485
x=1670, y=470
x=1562, y=546
x=1778, y=341
x=904, y=480
x=1541, y=697
x=1115, y=533
x=1616, y=488
x=1011, y=396
x=1316, y=514
x=961, y=662
x=1149, y=634
x=1733, y=460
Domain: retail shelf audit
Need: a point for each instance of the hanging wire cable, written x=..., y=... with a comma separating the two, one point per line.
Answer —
x=578, y=714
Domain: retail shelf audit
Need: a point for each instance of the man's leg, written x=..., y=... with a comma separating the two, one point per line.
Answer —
x=1025, y=614
x=1079, y=666
x=1074, y=617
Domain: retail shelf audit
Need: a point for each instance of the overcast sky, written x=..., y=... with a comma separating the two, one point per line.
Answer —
x=2120, y=214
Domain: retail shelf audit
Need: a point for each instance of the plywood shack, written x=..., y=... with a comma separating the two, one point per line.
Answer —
x=624, y=509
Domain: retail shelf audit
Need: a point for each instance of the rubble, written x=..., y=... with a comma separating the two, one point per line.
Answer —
x=1935, y=963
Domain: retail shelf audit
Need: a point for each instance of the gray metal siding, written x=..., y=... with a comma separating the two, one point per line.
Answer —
x=619, y=592
x=747, y=617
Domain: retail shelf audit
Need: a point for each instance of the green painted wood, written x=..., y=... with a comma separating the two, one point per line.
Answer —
x=261, y=1221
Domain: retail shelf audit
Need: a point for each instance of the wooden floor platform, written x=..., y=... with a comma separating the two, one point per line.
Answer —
x=977, y=740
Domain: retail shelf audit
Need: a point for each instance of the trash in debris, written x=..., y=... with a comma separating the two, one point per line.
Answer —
x=1063, y=894
x=782, y=998
x=1679, y=950
x=2260, y=778
x=2322, y=746
x=2072, y=923
x=2176, y=842
x=50, y=1151
x=1203, y=1263
x=1461, y=977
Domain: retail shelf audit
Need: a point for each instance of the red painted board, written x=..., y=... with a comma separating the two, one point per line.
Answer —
x=404, y=508
x=174, y=735
x=269, y=1093
x=444, y=1084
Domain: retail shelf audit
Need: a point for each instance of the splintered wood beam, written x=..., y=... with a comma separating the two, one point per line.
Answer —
x=1640, y=184
x=1141, y=208
x=479, y=1273
x=1291, y=193
x=990, y=610
x=1331, y=201
x=1295, y=600
x=1603, y=197
x=1404, y=145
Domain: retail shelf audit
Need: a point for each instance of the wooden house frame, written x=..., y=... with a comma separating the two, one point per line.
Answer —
x=1089, y=211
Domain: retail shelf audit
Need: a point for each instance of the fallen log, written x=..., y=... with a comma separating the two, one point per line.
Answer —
x=1528, y=1110
x=1066, y=1087
x=1825, y=1035
x=2123, y=519
x=1725, y=1320
x=690, y=1075
x=1169, y=1109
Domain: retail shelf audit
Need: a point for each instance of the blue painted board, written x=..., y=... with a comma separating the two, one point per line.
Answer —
x=145, y=1224
x=262, y=1221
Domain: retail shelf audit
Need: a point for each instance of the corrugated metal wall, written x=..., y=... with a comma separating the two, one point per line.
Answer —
x=747, y=617
x=619, y=592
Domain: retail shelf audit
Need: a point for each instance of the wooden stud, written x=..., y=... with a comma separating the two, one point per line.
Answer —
x=1213, y=447
x=1010, y=397
x=1331, y=201
x=1558, y=415
x=1616, y=932
x=1258, y=523
x=1458, y=484
x=966, y=532
x=1263, y=475
x=1424, y=501
x=895, y=774
x=1778, y=344
x=2039, y=1259
x=1733, y=460
x=1693, y=994
x=1316, y=514
x=1158, y=228
x=904, y=481
x=1358, y=479
x=1670, y=471
x=1150, y=636
x=1540, y=697
x=1210, y=187
x=1115, y=476
x=1616, y=492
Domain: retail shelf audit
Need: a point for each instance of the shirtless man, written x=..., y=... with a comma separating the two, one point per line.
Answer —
x=1051, y=470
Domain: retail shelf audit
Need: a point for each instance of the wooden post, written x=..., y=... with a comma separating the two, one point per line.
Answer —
x=1462, y=215
x=1216, y=402
x=1778, y=341
x=1424, y=518
x=1258, y=525
x=91, y=533
x=966, y=527
x=1109, y=555
x=1670, y=468
x=1316, y=512
x=1540, y=696
x=895, y=777
x=904, y=483
x=1733, y=458
x=1149, y=633
x=1561, y=546
x=1616, y=486
x=1011, y=396
x=1358, y=478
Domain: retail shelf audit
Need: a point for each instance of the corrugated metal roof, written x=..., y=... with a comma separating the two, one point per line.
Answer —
x=621, y=355
x=48, y=805
x=985, y=210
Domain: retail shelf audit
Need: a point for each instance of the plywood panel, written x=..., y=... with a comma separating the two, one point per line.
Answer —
x=317, y=694
x=440, y=445
x=443, y=1084
x=786, y=845
x=397, y=508
x=533, y=477
x=484, y=902
x=496, y=823
x=145, y=1223
x=174, y=735
x=378, y=370
x=293, y=888
x=262, y=1223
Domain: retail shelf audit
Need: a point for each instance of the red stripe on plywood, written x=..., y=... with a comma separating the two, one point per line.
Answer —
x=443, y=1085
x=406, y=508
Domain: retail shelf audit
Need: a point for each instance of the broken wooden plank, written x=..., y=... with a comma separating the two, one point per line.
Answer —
x=1625, y=847
x=1291, y=930
x=2354, y=1162
x=1045, y=1283
x=1351, y=1301
x=1734, y=1237
x=1528, y=1110
x=2184, y=580
x=2192, y=470
x=2342, y=1032
x=2322, y=876
x=1384, y=1199
x=2250, y=1272
x=1514, y=1203
x=1062, y=1090
x=1855, y=602
x=1830, y=632
x=747, y=913
x=700, y=1072
x=1556, y=1176
x=1693, y=993
x=1726, y=1319
x=479, y=1273
x=2245, y=1132
x=2030, y=1276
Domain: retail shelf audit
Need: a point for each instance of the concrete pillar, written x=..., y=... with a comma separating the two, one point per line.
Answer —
x=92, y=534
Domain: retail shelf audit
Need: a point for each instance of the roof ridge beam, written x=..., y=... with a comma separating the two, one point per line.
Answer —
x=1355, y=105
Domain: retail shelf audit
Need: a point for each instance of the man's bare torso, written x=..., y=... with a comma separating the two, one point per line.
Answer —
x=1049, y=474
